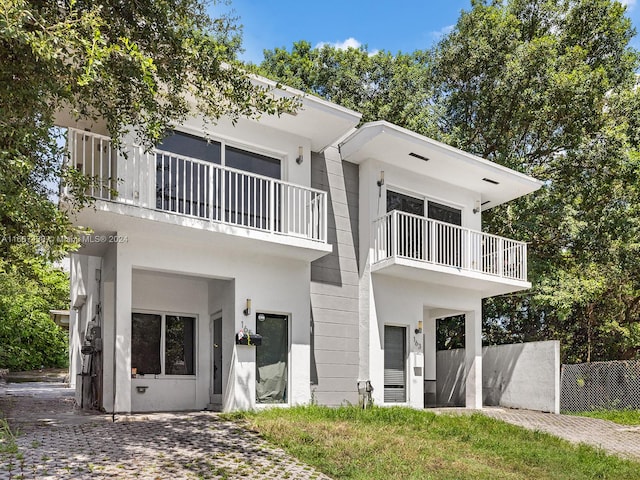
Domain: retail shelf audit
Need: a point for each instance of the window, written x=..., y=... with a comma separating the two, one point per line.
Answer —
x=409, y=241
x=445, y=213
x=182, y=185
x=187, y=182
x=162, y=344
x=191, y=146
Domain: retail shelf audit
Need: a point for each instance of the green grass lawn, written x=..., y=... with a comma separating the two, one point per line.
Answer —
x=394, y=443
x=623, y=417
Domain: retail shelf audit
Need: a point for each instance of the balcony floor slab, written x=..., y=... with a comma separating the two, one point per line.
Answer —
x=111, y=218
x=425, y=272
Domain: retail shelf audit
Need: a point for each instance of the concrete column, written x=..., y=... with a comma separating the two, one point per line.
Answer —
x=430, y=351
x=122, y=352
x=473, y=358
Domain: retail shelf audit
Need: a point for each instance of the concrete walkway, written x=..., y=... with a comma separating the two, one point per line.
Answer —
x=622, y=440
x=57, y=442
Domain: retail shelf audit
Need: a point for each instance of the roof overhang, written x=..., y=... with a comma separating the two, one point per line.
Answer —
x=403, y=148
x=323, y=122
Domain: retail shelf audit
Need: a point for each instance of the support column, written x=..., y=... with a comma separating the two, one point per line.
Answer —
x=473, y=358
x=122, y=347
x=429, y=358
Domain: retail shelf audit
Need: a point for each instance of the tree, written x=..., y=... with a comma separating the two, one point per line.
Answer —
x=28, y=337
x=380, y=85
x=547, y=88
x=141, y=65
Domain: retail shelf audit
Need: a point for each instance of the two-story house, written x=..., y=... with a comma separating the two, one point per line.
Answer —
x=339, y=246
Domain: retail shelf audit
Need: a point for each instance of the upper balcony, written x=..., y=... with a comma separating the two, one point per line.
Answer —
x=162, y=186
x=411, y=246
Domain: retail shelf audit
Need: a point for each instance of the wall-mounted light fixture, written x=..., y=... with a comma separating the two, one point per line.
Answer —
x=419, y=329
x=247, y=311
x=380, y=183
x=300, y=156
x=477, y=207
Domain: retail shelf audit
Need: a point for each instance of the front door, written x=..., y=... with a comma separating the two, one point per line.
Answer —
x=216, y=391
x=272, y=358
x=395, y=364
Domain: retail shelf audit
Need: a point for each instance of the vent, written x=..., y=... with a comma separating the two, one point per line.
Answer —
x=491, y=181
x=417, y=155
x=484, y=203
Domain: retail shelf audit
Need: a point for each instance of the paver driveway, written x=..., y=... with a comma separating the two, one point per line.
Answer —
x=623, y=440
x=54, y=442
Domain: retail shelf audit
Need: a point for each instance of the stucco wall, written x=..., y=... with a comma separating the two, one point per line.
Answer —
x=334, y=285
x=521, y=375
x=178, y=269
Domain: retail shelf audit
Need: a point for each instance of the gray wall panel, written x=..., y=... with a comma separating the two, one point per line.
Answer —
x=335, y=285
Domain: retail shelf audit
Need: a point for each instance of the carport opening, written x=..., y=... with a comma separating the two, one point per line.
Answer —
x=450, y=343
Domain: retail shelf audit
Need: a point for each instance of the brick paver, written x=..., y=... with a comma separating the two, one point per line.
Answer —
x=623, y=440
x=56, y=443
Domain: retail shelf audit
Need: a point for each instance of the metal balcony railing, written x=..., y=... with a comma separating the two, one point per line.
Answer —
x=187, y=186
x=403, y=235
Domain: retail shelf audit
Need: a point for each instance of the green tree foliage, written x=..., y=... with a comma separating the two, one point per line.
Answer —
x=28, y=337
x=381, y=86
x=547, y=88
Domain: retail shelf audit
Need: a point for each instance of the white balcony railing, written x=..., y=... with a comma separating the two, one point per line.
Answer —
x=403, y=235
x=187, y=186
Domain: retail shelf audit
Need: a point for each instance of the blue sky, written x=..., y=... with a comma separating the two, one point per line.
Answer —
x=403, y=25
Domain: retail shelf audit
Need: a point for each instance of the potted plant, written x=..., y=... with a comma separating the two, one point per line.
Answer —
x=246, y=337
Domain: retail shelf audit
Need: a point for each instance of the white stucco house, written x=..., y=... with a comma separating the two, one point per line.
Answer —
x=339, y=243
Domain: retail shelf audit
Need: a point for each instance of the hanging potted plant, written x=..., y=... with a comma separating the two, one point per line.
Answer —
x=246, y=337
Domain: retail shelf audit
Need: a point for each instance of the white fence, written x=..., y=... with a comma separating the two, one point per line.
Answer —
x=404, y=235
x=196, y=188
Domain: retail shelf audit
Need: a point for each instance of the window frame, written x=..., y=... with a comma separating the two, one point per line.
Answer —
x=163, y=341
x=282, y=156
x=426, y=199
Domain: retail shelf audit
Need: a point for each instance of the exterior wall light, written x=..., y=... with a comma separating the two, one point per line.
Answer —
x=477, y=207
x=419, y=329
x=381, y=181
x=300, y=156
x=247, y=310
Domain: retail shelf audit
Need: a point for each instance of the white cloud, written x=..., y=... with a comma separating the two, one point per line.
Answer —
x=438, y=34
x=348, y=43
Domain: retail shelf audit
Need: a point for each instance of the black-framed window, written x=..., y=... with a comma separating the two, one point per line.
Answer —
x=163, y=344
x=444, y=213
x=192, y=146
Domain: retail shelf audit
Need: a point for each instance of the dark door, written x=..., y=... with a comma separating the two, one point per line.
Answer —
x=272, y=358
x=217, y=356
x=395, y=364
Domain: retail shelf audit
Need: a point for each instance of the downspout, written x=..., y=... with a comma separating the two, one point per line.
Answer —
x=113, y=376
